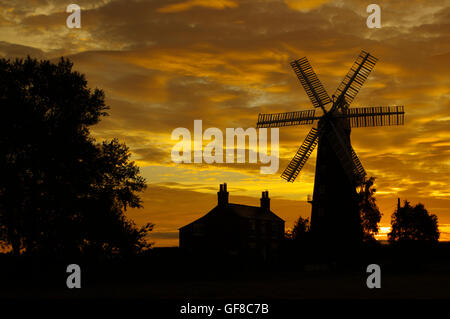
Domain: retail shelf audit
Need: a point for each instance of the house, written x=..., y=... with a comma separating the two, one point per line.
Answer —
x=234, y=230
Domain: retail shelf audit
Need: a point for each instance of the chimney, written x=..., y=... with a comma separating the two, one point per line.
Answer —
x=222, y=195
x=265, y=201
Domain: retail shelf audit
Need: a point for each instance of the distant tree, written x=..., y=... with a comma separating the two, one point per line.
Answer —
x=413, y=224
x=300, y=230
x=369, y=212
x=60, y=191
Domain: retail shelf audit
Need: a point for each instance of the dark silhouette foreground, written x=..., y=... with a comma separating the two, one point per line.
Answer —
x=413, y=224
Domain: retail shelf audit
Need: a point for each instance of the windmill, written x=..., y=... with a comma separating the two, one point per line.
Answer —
x=339, y=171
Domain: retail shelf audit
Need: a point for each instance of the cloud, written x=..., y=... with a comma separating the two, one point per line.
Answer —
x=186, y=5
x=11, y=50
x=305, y=5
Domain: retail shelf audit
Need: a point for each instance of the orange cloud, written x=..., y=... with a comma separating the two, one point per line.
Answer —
x=305, y=5
x=187, y=5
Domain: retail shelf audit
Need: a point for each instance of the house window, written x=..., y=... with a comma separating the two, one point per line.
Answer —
x=263, y=227
x=275, y=229
x=252, y=225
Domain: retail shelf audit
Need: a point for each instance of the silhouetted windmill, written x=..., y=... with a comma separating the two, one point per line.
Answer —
x=338, y=169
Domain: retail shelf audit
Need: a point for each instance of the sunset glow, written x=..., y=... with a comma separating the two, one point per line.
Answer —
x=164, y=65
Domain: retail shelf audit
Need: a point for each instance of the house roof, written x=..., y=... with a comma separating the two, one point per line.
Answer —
x=244, y=211
x=253, y=212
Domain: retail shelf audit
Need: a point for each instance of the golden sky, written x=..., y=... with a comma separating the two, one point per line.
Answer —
x=163, y=64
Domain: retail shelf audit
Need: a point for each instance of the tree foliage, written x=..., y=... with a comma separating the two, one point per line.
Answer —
x=413, y=224
x=369, y=212
x=300, y=230
x=60, y=190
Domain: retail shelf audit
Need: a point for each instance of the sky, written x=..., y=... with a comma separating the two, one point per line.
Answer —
x=164, y=64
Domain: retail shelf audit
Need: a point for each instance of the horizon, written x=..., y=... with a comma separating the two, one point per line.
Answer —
x=170, y=239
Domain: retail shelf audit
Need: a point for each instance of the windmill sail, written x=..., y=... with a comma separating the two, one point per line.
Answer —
x=354, y=79
x=375, y=116
x=359, y=172
x=286, y=119
x=302, y=155
x=308, y=78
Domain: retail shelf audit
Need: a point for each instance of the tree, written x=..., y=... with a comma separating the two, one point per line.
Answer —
x=60, y=190
x=369, y=212
x=413, y=224
x=300, y=230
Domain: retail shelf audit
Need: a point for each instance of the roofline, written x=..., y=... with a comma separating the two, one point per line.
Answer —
x=235, y=214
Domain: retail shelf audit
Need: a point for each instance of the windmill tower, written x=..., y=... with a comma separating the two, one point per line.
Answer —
x=334, y=214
